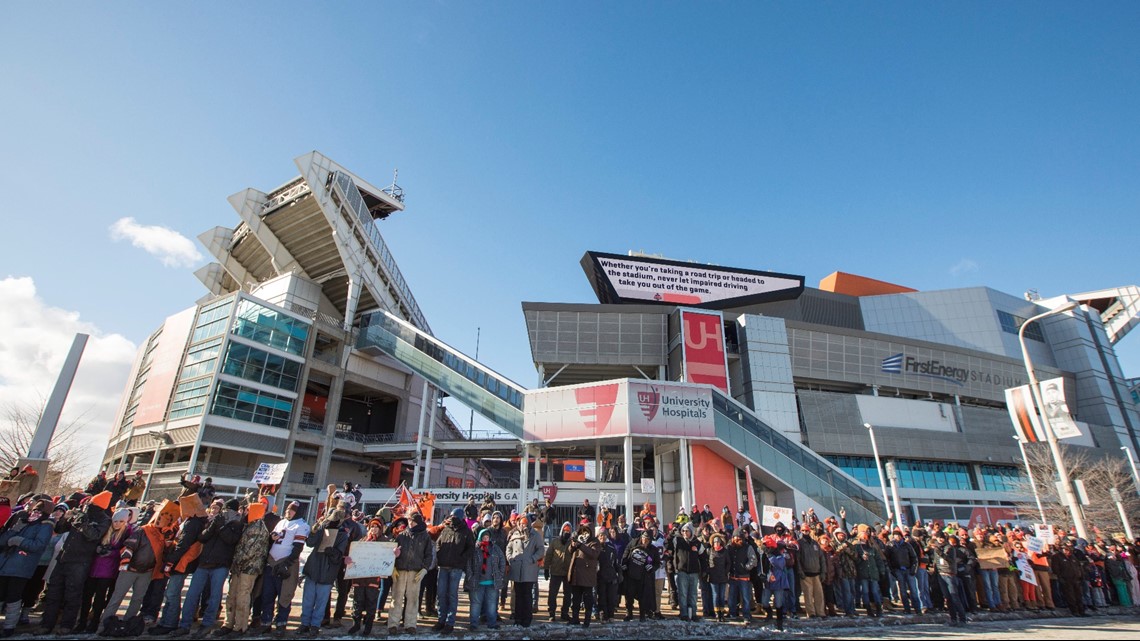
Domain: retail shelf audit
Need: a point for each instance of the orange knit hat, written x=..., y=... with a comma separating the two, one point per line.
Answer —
x=102, y=499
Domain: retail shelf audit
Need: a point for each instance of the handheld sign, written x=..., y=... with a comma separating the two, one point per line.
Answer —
x=371, y=558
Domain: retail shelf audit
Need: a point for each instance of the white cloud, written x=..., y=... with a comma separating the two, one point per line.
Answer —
x=174, y=249
x=964, y=266
x=34, y=341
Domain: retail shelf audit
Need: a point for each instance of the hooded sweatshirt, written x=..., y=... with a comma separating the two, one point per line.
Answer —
x=557, y=559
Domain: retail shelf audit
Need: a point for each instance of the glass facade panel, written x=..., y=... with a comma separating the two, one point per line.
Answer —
x=201, y=360
x=269, y=327
x=1012, y=324
x=929, y=475
x=212, y=320
x=1000, y=478
x=260, y=366
x=250, y=405
x=190, y=398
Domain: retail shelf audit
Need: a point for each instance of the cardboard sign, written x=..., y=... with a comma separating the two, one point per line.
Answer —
x=1026, y=570
x=270, y=474
x=1034, y=544
x=992, y=558
x=371, y=558
x=774, y=515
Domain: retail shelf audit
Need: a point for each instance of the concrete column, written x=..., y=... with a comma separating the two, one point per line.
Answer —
x=420, y=435
x=686, y=477
x=45, y=429
x=523, y=481
x=431, y=436
x=537, y=467
x=597, y=462
x=659, y=482
x=630, y=513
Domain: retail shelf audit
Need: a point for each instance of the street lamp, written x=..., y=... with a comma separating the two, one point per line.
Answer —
x=163, y=439
x=1068, y=495
x=893, y=475
x=1132, y=468
x=1116, y=498
x=1029, y=471
x=879, y=471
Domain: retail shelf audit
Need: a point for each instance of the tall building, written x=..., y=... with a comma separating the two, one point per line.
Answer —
x=264, y=369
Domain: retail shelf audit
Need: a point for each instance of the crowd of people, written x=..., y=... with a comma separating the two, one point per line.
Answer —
x=79, y=557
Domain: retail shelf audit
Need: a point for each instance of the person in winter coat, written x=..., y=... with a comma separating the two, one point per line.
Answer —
x=414, y=555
x=23, y=538
x=524, y=553
x=869, y=563
x=366, y=590
x=639, y=565
x=846, y=574
x=742, y=560
x=85, y=527
x=903, y=563
x=140, y=562
x=247, y=565
x=810, y=568
x=486, y=572
x=689, y=559
x=777, y=581
x=1070, y=573
x=609, y=575
x=454, y=547
x=181, y=561
x=556, y=565
x=322, y=567
x=118, y=487
x=718, y=574
x=104, y=571
x=947, y=558
x=283, y=566
x=1116, y=567
x=97, y=484
x=136, y=487
x=218, y=538
x=585, y=549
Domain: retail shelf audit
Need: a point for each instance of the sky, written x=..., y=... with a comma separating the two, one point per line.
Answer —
x=934, y=145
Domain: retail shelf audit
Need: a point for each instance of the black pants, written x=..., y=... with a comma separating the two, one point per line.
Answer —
x=152, y=602
x=364, y=600
x=607, y=599
x=643, y=591
x=671, y=577
x=552, y=597
x=524, y=603
x=34, y=586
x=60, y=604
x=11, y=589
x=578, y=596
x=343, y=589
x=96, y=592
x=385, y=587
x=428, y=588
x=1073, y=597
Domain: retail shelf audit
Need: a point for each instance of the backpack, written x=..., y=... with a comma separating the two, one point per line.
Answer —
x=115, y=627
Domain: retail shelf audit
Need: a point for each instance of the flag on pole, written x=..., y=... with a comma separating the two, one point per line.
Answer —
x=751, y=494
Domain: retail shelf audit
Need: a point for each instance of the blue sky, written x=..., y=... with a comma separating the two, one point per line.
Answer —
x=933, y=145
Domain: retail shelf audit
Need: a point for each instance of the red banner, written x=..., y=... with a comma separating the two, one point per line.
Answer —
x=704, y=356
x=751, y=495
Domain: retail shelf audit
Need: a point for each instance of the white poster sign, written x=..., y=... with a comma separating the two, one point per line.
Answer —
x=648, y=279
x=1034, y=544
x=270, y=473
x=607, y=500
x=371, y=558
x=648, y=486
x=1056, y=409
x=1026, y=570
x=1044, y=532
x=773, y=515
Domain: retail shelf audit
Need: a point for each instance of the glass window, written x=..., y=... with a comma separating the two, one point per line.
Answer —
x=260, y=366
x=269, y=327
x=190, y=398
x=250, y=405
x=1012, y=324
x=1000, y=478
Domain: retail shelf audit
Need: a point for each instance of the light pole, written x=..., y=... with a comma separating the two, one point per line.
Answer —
x=1029, y=471
x=1120, y=508
x=162, y=439
x=879, y=471
x=893, y=475
x=1132, y=468
x=1068, y=495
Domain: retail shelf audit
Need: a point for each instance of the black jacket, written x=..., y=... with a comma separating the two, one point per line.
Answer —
x=688, y=556
x=641, y=563
x=811, y=561
x=218, y=539
x=87, y=527
x=454, y=545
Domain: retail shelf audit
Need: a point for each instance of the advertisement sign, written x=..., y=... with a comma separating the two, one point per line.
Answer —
x=703, y=357
x=774, y=515
x=617, y=278
x=1019, y=402
x=618, y=408
x=1056, y=409
x=670, y=409
x=549, y=492
x=269, y=474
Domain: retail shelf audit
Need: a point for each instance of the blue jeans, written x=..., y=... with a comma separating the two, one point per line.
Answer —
x=923, y=579
x=485, y=603
x=707, y=598
x=907, y=586
x=719, y=596
x=687, y=593
x=216, y=578
x=953, y=600
x=447, y=593
x=845, y=595
x=869, y=592
x=172, y=601
x=993, y=594
x=740, y=592
x=313, y=602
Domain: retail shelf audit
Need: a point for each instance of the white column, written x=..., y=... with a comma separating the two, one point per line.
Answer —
x=686, y=477
x=630, y=514
x=431, y=437
x=537, y=468
x=523, y=480
x=420, y=436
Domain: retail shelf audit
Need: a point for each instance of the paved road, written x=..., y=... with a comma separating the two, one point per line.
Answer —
x=1117, y=628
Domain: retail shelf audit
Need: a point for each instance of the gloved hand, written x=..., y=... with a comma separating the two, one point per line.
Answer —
x=546, y=573
x=420, y=575
x=15, y=541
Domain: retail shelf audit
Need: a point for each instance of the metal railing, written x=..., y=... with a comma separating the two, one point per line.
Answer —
x=346, y=189
x=289, y=192
x=311, y=426
x=349, y=435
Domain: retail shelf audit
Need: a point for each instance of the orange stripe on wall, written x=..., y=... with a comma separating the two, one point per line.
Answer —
x=714, y=481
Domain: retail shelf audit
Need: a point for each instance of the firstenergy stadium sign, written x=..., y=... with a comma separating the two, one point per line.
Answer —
x=638, y=279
